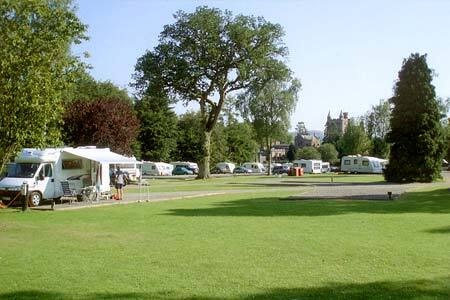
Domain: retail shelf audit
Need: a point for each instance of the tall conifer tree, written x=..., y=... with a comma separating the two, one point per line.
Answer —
x=416, y=133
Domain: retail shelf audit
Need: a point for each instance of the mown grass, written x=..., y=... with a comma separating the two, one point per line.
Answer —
x=175, y=183
x=248, y=246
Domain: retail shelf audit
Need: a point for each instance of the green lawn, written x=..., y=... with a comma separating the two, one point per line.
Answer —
x=249, y=246
x=175, y=183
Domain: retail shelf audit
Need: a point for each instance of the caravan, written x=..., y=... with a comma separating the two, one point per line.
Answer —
x=362, y=164
x=309, y=165
x=225, y=167
x=256, y=167
x=156, y=168
x=43, y=170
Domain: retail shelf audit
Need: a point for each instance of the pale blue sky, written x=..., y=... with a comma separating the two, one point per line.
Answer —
x=346, y=53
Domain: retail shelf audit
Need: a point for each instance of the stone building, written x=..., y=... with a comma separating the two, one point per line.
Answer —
x=336, y=126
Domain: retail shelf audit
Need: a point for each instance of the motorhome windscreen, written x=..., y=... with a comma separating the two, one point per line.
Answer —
x=22, y=170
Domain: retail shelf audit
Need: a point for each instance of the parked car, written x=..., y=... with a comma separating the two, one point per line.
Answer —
x=280, y=170
x=182, y=171
x=216, y=170
x=242, y=169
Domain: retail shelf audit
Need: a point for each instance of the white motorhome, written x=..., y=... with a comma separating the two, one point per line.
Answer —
x=225, y=167
x=362, y=164
x=256, y=167
x=309, y=165
x=132, y=169
x=156, y=168
x=44, y=169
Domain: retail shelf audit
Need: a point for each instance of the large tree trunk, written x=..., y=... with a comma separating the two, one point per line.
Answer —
x=204, y=164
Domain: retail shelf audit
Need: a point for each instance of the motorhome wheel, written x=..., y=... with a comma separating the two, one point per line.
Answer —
x=34, y=199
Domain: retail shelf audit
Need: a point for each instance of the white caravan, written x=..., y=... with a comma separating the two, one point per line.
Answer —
x=156, y=168
x=326, y=167
x=309, y=165
x=225, y=167
x=362, y=164
x=256, y=167
x=44, y=169
x=132, y=169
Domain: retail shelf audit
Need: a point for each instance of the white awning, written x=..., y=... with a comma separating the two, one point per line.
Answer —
x=101, y=155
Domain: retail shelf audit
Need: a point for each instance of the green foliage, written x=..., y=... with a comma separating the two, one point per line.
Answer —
x=447, y=142
x=291, y=153
x=377, y=120
x=158, y=132
x=35, y=67
x=332, y=133
x=308, y=153
x=87, y=88
x=416, y=133
x=328, y=152
x=189, y=140
x=207, y=54
x=380, y=148
x=354, y=140
x=269, y=108
x=103, y=122
x=241, y=144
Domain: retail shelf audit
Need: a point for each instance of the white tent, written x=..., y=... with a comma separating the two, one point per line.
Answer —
x=102, y=158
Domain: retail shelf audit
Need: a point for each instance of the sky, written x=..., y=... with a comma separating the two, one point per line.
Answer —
x=346, y=54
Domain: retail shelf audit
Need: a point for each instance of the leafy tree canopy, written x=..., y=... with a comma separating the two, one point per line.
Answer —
x=35, y=67
x=158, y=134
x=85, y=87
x=207, y=54
x=308, y=153
x=354, y=140
x=416, y=132
x=328, y=152
x=103, y=122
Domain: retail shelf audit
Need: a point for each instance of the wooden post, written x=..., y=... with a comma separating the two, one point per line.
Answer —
x=24, y=193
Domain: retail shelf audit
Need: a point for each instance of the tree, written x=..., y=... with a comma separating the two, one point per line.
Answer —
x=354, y=140
x=158, y=134
x=35, y=67
x=291, y=153
x=103, y=122
x=377, y=120
x=308, y=153
x=416, y=133
x=377, y=124
x=269, y=108
x=208, y=54
x=328, y=152
x=189, y=140
x=85, y=87
x=241, y=142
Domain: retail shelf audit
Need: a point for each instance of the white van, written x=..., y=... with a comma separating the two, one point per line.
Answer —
x=156, y=168
x=44, y=169
x=225, y=167
x=362, y=164
x=309, y=165
x=256, y=167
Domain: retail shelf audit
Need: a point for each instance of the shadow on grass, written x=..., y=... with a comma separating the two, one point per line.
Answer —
x=440, y=230
x=434, y=289
x=436, y=201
